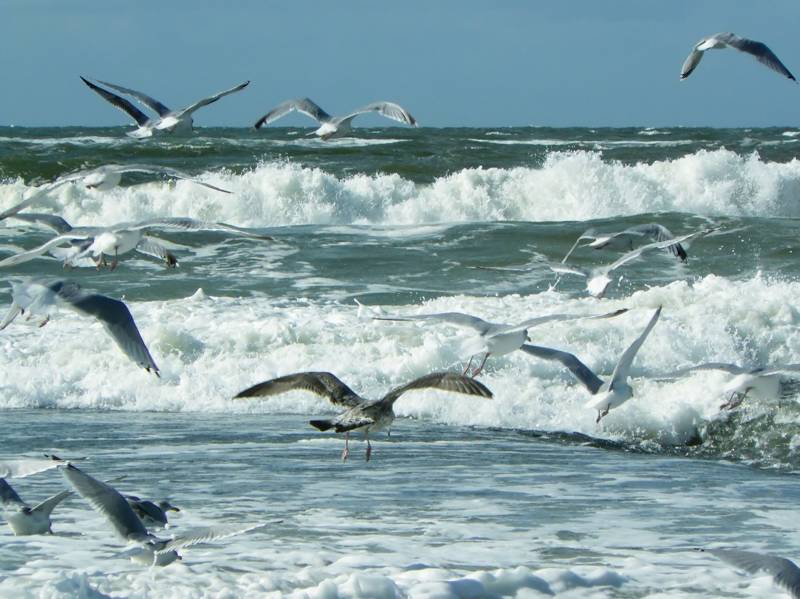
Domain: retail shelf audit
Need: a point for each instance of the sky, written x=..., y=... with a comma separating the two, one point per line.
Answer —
x=451, y=63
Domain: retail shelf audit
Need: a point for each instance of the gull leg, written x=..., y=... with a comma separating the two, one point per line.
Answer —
x=369, y=447
x=115, y=262
x=346, y=452
x=602, y=413
x=734, y=401
x=480, y=368
x=468, y=365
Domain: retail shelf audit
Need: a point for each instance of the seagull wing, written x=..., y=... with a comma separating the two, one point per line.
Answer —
x=533, y=322
x=624, y=365
x=49, y=504
x=656, y=245
x=137, y=115
x=191, y=224
x=42, y=249
x=211, y=99
x=757, y=49
x=8, y=496
x=323, y=384
x=458, y=319
x=205, y=535
x=387, y=109
x=52, y=221
x=582, y=372
x=657, y=232
x=162, y=170
x=784, y=571
x=446, y=381
x=34, y=197
x=784, y=369
x=27, y=466
x=304, y=105
x=151, y=103
x=724, y=366
x=114, y=315
x=588, y=234
x=108, y=501
x=150, y=247
x=691, y=62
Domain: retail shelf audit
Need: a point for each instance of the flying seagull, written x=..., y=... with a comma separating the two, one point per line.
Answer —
x=785, y=572
x=724, y=40
x=43, y=297
x=116, y=240
x=361, y=414
x=494, y=339
x=335, y=126
x=150, y=550
x=152, y=514
x=627, y=239
x=24, y=519
x=765, y=382
x=609, y=394
x=598, y=279
x=102, y=178
x=168, y=121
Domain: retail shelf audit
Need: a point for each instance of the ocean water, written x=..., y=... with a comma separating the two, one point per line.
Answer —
x=523, y=495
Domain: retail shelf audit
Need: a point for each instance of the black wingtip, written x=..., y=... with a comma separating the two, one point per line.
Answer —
x=322, y=425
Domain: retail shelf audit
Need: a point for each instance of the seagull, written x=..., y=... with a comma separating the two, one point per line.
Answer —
x=765, y=382
x=784, y=571
x=724, y=40
x=169, y=121
x=625, y=240
x=609, y=394
x=102, y=178
x=43, y=297
x=116, y=240
x=361, y=414
x=494, y=338
x=24, y=519
x=150, y=549
x=152, y=515
x=335, y=126
x=24, y=467
x=598, y=279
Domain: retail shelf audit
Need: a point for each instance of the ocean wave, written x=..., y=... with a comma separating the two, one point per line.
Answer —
x=209, y=348
x=569, y=185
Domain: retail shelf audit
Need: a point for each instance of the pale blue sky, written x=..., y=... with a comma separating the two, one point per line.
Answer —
x=450, y=62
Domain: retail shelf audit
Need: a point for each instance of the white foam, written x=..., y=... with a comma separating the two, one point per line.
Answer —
x=575, y=185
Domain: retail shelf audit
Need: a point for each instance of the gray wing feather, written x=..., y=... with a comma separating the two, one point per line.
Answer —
x=759, y=50
x=49, y=504
x=658, y=232
x=205, y=535
x=55, y=222
x=42, y=249
x=106, y=500
x=150, y=247
x=454, y=318
x=211, y=99
x=142, y=97
x=691, y=62
x=323, y=384
x=624, y=365
x=191, y=224
x=8, y=496
x=121, y=103
x=446, y=381
x=165, y=170
x=116, y=318
x=387, y=109
x=581, y=372
x=784, y=571
x=304, y=105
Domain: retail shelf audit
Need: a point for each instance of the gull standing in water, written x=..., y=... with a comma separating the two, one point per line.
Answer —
x=150, y=550
x=24, y=519
x=116, y=240
x=102, y=178
x=729, y=40
x=335, y=126
x=785, y=572
x=494, y=339
x=362, y=414
x=167, y=121
x=609, y=394
x=764, y=382
x=42, y=298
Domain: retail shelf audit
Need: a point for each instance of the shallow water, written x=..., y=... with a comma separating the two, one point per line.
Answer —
x=521, y=496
